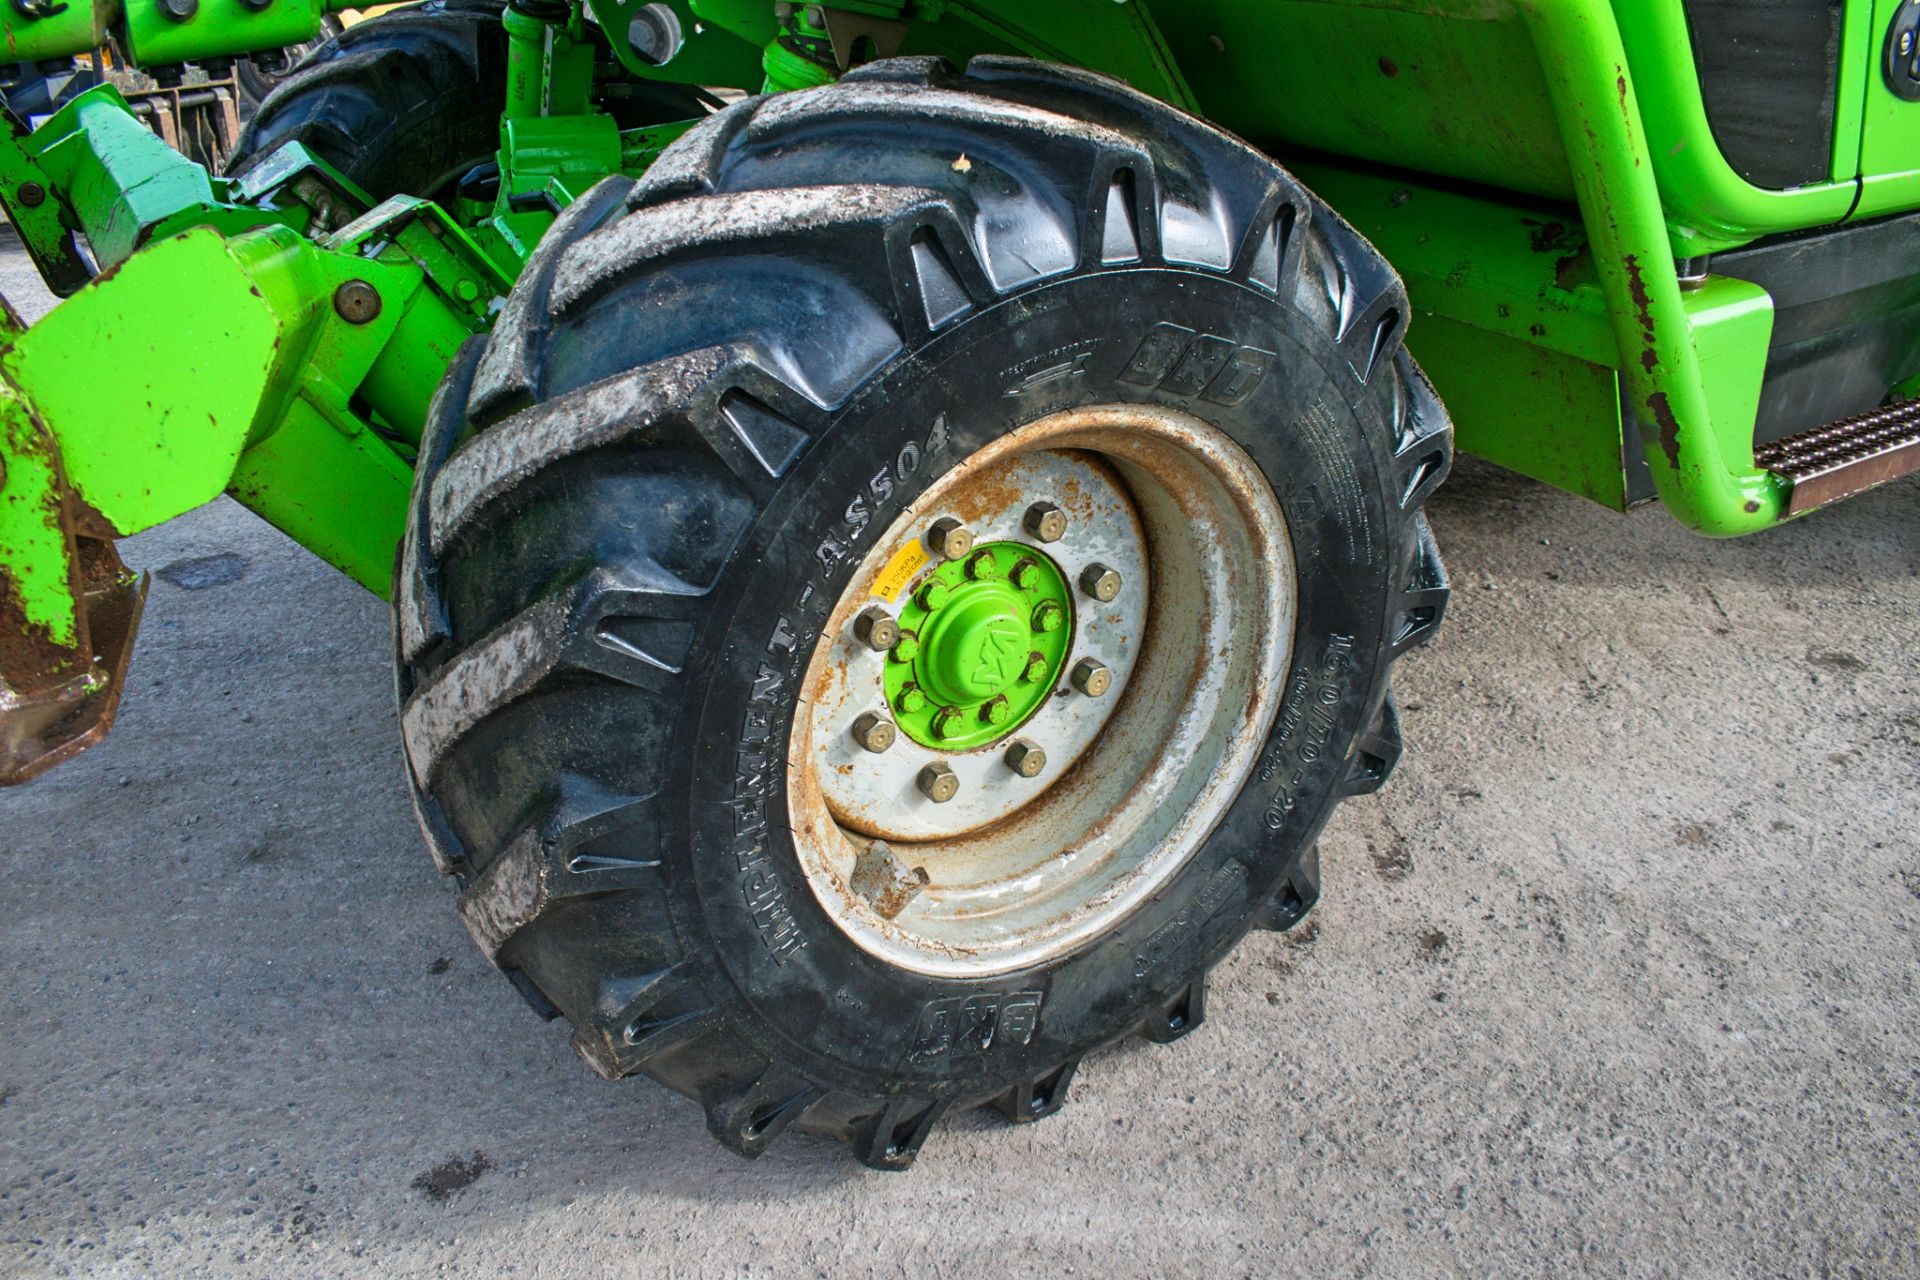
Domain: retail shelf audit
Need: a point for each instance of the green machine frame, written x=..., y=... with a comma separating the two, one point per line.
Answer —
x=1536, y=170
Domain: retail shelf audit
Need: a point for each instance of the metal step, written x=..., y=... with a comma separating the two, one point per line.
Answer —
x=1842, y=458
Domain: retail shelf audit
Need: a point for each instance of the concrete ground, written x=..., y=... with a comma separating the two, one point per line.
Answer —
x=1619, y=975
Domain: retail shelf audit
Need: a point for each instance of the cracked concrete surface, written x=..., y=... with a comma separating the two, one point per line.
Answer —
x=1619, y=974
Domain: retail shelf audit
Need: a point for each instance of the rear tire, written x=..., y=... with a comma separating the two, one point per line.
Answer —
x=642, y=505
x=405, y=103
x=260, y=74
x=409, y=102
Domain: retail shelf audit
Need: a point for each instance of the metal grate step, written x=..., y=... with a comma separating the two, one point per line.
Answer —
x=1845, y=457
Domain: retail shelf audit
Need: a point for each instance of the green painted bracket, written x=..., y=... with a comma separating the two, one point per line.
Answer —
x=121, y=184
x=40, y=36
x=216, y=28
x=26, y=190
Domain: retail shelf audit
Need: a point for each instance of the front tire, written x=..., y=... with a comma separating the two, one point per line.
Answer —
x=720, y=405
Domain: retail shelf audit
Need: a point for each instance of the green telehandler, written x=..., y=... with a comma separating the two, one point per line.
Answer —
x=899, y=513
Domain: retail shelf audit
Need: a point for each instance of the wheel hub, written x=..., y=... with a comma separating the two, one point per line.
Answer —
x=975, y=640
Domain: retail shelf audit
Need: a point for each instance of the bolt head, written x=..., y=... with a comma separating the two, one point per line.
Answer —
x=981, y=566
x=1048, y=616
x=876, y=629
x=356, y=301
x=179, y=10
x=873, y=731
x=1045, y=522
x=1036, y=669
x=947, y=722
x=911, y=699
x=996, y=710
x=907, y=647
x=1025, y=758
x=937, y=783
x=1026, y=574
x=32, y=195
x=1100, y=582
x=934, y=594
x=1091, y=677
x=949, y=539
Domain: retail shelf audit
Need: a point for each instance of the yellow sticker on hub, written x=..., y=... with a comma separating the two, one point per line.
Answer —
x=900, y=570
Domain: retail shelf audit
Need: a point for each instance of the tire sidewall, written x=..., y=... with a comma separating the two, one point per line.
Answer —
x=750, y=923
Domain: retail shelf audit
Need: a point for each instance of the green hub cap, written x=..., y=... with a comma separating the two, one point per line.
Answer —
x=972, y=646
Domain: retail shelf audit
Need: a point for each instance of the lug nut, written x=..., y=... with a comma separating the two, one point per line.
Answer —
x=1026, y=573
x=996, y=710
x=873, y=731
x=937, y=783
x=946, y=722
x=910, y=699
x=1091, y=678
x=907, y=647
x=1100, y=582
x=949, y=538
x=1048, y=616
x=876, y=629
x=1025, y=758
x=1036, y=669
x=933, y=595
x=1046, y=522
x=981, y=566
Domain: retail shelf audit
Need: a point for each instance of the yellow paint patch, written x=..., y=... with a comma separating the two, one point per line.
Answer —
x=900, y=570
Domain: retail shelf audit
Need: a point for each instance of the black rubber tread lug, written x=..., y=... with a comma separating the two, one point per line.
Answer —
x=1296, y=895
x=637, y=1017
x=1038, y=1098
x=546, y=862
x=891, y=1138
x=448, y=853
x=599, y=262
x=680, y=390
x=921, y=69
x=509, y=371
x=688, y=166
x=1373, y=302
x=555, y=631
x=1272, y=251
x=1418, y=609
x=1423, y=447
x=1375, y=751
x=938, y=279
x=420, y=614
x=748, y=1121
x=1179, y=1013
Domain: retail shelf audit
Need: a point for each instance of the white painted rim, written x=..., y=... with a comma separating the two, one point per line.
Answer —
x=1025, y=870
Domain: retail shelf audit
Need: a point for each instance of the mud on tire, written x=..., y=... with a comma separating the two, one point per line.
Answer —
x=640, y=498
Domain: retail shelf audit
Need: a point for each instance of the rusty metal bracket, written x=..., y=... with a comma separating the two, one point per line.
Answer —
x=60, y=685
x=846, y=31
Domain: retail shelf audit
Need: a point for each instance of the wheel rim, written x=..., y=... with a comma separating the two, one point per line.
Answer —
x=1002, y=750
